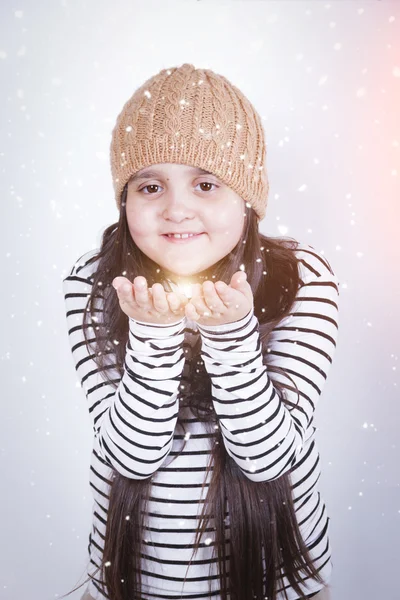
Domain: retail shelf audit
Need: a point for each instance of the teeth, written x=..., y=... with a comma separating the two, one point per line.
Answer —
x=179, y=236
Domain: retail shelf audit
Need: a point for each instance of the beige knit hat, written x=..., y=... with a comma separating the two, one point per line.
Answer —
x=193, y=117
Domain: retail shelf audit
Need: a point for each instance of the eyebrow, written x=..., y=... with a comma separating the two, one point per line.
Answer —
x=152, y=173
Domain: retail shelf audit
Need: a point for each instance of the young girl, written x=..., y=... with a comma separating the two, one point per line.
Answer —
x=201, y=383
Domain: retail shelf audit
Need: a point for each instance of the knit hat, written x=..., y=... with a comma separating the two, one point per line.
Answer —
x=193, y=117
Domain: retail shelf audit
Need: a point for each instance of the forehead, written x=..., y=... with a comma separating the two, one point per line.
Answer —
x=166, y=169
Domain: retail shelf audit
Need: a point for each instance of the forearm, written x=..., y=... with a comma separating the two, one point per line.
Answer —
x=258, y=430
x=136, y=433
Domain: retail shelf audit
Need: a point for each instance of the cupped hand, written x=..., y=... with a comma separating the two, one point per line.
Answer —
x=149, y=305
x=217, y=303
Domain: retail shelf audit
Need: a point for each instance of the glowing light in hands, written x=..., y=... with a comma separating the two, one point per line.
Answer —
x=186, y=290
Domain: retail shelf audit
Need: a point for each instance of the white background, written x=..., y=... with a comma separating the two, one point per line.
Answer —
x=325, y=76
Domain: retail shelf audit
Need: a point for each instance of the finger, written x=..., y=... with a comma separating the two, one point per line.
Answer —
x=197, y=290
x=174, y=302
x=211, y=298
x=239, y=283
x=191, y=312
x=124, y=291
x=197, y=300
x=239, y=279
x=184, y=299
x=141, y=292
x=119, y=282
x=160, y=299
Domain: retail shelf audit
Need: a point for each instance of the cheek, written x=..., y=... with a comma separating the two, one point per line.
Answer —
x=228, y=223
x=139, y=222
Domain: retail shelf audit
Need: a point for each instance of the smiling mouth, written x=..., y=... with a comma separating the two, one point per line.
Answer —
x=183, y=240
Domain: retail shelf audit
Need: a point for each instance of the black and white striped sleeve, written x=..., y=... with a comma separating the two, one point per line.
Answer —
x=261, y=433
x=135, y=422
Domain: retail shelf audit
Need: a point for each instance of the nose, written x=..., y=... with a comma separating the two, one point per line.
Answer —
x=178, y=206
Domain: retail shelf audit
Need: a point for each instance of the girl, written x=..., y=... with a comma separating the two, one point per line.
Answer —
x=201, y=383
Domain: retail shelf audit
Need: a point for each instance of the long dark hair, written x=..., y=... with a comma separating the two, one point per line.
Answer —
x=264, y=532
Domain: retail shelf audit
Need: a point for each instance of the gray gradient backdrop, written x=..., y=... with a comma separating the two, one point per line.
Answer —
x=325, y=76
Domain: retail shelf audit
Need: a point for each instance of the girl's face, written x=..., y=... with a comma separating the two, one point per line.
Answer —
x=174, y=198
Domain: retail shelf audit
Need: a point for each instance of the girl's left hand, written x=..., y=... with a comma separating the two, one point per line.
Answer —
x=218, y=303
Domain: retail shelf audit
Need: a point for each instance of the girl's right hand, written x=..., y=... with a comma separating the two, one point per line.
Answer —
x=150, y=305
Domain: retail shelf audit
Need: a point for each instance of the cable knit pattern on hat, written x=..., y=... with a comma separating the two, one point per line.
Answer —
x=193, y=117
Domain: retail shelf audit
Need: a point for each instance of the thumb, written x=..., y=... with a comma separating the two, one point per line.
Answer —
x=240, y=278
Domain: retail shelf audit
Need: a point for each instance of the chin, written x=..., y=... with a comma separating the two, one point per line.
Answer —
x=186, y=276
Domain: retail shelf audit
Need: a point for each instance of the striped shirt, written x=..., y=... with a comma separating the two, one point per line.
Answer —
x=135, y=430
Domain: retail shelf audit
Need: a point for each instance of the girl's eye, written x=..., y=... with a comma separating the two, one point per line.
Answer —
x=207, y=183
x=153, y=185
